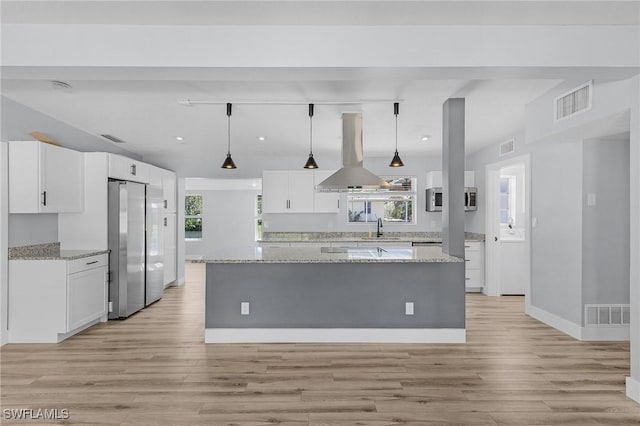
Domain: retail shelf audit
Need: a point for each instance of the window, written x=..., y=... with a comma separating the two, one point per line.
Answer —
x=193, y=217
x=507, y=200
x=394, y=205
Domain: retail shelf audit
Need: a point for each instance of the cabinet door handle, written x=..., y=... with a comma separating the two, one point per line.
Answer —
x=44, y=198
x=165, y=221
x=91, y=263
x=467, y=279
x=133, y=169
x=165, y=204
x=338, y=203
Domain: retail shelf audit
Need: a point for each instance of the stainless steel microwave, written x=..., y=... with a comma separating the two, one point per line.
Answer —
x=434, y=199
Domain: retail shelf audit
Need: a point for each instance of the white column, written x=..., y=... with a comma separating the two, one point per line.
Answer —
x=453, y=177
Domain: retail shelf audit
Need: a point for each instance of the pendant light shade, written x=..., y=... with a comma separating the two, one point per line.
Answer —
x=396, y=161
x=311, y=162
x=228, y=162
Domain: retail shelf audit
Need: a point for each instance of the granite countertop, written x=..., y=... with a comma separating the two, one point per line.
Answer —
x=50, y=251
x=315, y=237
x=340, y=255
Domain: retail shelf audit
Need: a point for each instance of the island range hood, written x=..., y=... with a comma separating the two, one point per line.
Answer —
x=352, y=176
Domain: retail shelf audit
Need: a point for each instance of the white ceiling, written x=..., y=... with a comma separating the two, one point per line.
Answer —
x=147, y=115
x=141, y=106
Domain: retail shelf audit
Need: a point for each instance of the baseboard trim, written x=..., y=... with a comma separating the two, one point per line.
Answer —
x=606, y=334
x=572, y=329
x=335, y=335
x=633, y=389
x=588, y=334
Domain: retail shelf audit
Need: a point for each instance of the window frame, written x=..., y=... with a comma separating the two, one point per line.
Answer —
x=369, y=197
x=198, y=216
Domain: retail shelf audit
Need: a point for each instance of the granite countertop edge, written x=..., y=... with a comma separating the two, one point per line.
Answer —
x=51, y=251
x=452, y=259
x=469, y=237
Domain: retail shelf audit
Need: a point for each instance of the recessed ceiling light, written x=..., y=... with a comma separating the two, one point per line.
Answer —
x=425, y=138
x=179, y=138
x=262, y=138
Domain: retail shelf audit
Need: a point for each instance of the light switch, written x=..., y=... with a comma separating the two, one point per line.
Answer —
x=408, y=308
x=244, y=308
x=591, y=199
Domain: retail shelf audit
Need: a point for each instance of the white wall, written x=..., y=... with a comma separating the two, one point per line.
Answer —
x=29, y=229
x=4, y=220
x=556, y=241
x=633, y=381
x=605, y=226
x=228, y=222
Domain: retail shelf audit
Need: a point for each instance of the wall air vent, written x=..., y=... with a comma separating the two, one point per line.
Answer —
x=576, y=101
x=506, y=147
x=113, y=138
x=607, y=315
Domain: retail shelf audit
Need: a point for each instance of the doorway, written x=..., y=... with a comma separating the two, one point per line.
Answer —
x=508, y=228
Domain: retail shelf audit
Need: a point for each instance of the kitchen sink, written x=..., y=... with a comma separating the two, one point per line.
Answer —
x=383, y=238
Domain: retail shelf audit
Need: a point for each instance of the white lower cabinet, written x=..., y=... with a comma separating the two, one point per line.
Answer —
x=51, y=300
x=474, y=265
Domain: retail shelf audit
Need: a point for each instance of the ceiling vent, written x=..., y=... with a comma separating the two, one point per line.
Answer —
x=506, y=147
x=576, y=101
x=113, y=138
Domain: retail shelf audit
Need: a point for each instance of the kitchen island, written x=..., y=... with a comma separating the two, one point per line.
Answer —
x=335, y=294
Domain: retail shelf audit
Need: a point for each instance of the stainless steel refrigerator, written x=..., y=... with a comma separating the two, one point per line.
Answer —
x=135, y=243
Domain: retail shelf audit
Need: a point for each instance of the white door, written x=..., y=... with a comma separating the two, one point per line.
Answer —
x=508, y=228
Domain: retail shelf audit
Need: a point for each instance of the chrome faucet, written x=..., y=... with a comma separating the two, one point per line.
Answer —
x=379, y=232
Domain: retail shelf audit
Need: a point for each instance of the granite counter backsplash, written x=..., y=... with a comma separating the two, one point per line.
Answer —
x=35, y=250
x=356, y=236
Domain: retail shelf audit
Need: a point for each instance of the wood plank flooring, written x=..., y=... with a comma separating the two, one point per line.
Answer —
x=154, y=368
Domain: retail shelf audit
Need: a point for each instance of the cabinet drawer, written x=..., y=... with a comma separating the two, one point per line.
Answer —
x=474, y=277
x=473, y=259
x=87, y=263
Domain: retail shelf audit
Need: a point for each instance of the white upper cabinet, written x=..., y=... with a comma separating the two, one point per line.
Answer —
x=287, y=191
x=169, y=190
x=127, y=169
x=324, y=202
x=45, y=178
x=155, y=176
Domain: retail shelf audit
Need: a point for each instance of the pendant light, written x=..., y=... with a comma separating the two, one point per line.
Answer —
x=228, y=162
x=396, y=161
x=311, y=163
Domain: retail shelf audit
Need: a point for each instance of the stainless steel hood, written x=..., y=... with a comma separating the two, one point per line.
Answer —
x=352, y=176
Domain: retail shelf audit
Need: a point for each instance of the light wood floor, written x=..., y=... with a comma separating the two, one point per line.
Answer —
x=154, y=368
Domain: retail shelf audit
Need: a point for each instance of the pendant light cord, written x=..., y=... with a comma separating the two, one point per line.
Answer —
x=229, y=129
x=310, y=129
x=395, y=111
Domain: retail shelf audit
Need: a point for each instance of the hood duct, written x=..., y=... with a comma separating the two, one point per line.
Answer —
x=352, y=176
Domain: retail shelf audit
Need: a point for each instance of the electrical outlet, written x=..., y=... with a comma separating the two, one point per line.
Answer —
x=244, y=308
x=591, y=199
x=408, y=308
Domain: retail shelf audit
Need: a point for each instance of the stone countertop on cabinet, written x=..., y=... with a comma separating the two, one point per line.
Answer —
x=50, y=251
x=320, y=255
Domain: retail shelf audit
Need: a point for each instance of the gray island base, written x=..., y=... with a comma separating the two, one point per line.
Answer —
x=279, y=295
